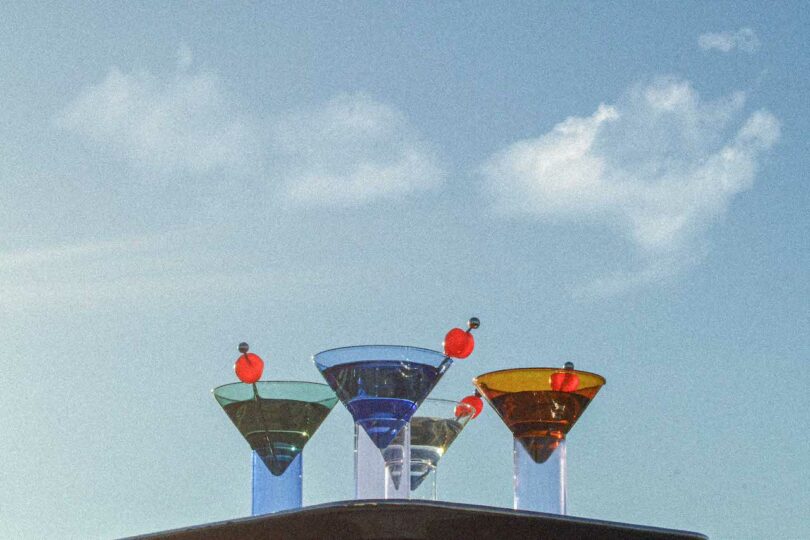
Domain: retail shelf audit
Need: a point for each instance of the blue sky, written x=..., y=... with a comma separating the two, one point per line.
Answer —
x=622, y=186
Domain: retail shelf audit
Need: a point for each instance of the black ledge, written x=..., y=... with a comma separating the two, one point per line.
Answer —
x=411, y=520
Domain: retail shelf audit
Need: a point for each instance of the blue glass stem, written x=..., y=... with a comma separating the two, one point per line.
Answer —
x=540, y=487
x=276, y=493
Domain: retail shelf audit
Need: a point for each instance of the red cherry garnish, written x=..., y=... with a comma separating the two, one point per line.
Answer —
x=458, y=343
x=566, y=380
x=571, y=382
x=474, y=402
x=249, y=367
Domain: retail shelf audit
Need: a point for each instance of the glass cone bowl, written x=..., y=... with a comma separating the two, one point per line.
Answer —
x=539, y=405
x=279, y=421
x=382, y=386
x=434, y=427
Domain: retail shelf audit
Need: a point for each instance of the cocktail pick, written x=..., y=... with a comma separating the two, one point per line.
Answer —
x=249, y=368
x=459, y=343
x=473, y=401
x=566, y=380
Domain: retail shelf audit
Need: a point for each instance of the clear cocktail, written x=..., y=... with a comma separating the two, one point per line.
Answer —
x=433, y=429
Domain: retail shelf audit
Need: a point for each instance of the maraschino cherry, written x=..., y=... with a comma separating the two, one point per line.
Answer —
x=565, y=381
x=248, y=366
x=473, y=401
x=459, y=343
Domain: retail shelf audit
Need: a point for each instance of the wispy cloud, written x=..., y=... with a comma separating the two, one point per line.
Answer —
x=744, y=39
x=147, y=270
x=351, y=151
x=61, y=254
x=185, y=123
x=660, y=166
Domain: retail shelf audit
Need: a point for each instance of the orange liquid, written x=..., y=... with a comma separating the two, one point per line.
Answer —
x=540, y=419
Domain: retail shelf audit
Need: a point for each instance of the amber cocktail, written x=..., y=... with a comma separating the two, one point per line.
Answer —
x=540, y=406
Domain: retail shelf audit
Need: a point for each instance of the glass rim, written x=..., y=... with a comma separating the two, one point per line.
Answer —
x=284, y=382
x=303, y=391
x=430, y=404
x=442, y=400
x=538, y=370
x=381, y=346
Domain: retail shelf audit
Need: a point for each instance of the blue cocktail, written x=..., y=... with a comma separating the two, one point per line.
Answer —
x=382, y=395
x=382, y=386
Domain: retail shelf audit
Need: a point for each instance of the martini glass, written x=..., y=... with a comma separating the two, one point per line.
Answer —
x=277, y=419
x=433, y=429
x=539, y=406
x=381, y=386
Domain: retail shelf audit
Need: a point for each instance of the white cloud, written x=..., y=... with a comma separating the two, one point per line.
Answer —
x=743, y=39
x=187, y=123
x=659, y=166
x=351, y=151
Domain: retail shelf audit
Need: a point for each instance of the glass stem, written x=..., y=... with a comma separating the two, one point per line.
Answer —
x=540, y=487
x=379, y=474
x=369, y=467
x=397, y=457
x=273, y=493
x=424, y=473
